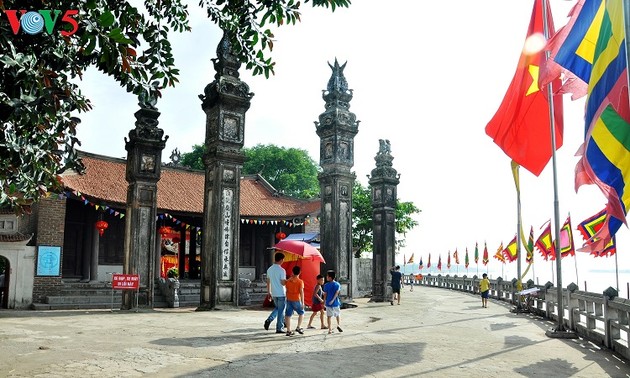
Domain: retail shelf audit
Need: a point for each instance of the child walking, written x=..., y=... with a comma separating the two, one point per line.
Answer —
x=331, y=299
x=295, y=301
x=484, y=288
x=318, y=303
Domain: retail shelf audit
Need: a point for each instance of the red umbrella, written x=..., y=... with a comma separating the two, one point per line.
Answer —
x=300, y=248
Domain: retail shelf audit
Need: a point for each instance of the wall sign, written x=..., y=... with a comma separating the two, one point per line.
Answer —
x=48, y=260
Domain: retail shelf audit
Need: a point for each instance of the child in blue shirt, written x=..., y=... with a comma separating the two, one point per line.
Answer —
x=331, y=299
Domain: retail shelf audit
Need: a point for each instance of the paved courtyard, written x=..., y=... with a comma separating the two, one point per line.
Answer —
x=433, y=333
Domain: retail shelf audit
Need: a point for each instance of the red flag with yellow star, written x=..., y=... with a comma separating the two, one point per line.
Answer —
x=521, y=125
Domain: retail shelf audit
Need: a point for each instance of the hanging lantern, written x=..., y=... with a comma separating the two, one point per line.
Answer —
x=280, y=235
x=101, y=226
x=176, y=239
x=164, y=230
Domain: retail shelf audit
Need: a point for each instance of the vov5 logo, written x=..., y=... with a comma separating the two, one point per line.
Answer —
x=34, y=22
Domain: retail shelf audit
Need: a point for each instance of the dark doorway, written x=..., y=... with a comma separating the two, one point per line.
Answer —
x=4, y=282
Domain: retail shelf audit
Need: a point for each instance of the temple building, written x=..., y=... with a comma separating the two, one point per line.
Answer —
x=78, y=236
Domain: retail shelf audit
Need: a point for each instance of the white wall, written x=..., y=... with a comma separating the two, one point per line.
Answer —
x=21, y=273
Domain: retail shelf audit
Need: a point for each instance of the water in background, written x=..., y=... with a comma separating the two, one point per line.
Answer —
x=593, y=274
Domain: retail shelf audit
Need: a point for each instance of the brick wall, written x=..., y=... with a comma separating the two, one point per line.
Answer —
x=50, y=220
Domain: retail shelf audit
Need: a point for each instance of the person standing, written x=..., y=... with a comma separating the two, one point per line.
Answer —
x=331, y=299
x=318, y=303
x=295, y=301
x=276, y=281
x=396, y=283
x=484, y=288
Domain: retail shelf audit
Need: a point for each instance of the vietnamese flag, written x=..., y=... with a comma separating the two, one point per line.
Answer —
x=521, y=125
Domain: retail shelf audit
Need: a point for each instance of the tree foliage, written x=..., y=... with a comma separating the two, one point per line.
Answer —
x=290, y=170
x=39, y=95
x=362, y=223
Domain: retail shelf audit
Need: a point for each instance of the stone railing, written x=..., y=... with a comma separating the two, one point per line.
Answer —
x=603, y=319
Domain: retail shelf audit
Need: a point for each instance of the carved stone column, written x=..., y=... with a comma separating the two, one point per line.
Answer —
x=336, y=129
x=144, y=158
x=383, y=181
x=225, y=102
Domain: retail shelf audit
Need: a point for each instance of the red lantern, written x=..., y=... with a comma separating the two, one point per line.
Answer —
x=101, y=226
x=164, y=230
x=280, y=235
x=176, y=239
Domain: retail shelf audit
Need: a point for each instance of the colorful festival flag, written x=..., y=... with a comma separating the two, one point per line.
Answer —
x=572, y=49
x=521, y=125
x=420, y=265
x=476, y=253
x=499, y=255
x=485, y=254
x=589, y=228
x=456, y=257
x=530, y=246
x=605, y=159
x=410, y=259
x=448, y=261
x=429, y=262
x=439, y=265
x=510, y=252
x=567, y=247
x=544, y=243
x=466, y=261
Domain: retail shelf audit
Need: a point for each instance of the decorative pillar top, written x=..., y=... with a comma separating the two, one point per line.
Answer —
x=226, y=62
x=384, y=168
x=337, y=93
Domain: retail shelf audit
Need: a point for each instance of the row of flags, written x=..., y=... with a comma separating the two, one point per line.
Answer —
x=586, y=57
x=544, y=244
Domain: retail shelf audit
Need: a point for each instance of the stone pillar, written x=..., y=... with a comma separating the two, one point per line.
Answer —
x=383, y=181
x=336, y=129
x=225, y=102
x=144, y=159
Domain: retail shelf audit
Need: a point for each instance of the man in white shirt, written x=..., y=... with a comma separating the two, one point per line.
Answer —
x=276, y=280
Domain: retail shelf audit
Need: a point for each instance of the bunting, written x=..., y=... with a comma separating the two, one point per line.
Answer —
x=521, y=126
x=485, y=254
x=544, y=243
x=510, y=252
x=589, y=228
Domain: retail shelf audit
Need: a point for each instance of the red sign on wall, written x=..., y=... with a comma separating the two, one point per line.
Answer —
x=125, y=281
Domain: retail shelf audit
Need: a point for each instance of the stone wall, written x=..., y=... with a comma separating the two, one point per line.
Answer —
x=362, y=275
x=51, y=214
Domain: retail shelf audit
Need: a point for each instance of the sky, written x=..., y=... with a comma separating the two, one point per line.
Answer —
x=428, y=76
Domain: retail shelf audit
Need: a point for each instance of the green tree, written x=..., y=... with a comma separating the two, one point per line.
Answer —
x=362, y=224
x=39, y=94
x=290, y=170
x=194, y=159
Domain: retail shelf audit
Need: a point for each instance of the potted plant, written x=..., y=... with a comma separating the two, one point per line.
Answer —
x=172, y=273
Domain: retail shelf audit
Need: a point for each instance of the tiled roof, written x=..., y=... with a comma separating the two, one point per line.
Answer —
x=15, y=237
x=181, y=190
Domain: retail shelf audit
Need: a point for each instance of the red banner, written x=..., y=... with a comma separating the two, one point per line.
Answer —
x=125, y=281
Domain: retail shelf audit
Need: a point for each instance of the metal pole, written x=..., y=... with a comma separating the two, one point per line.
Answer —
x=560, y=330
x=519, y=285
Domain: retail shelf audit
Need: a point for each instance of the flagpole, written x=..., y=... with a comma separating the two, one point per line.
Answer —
x=519, y=284
x=560, y=331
